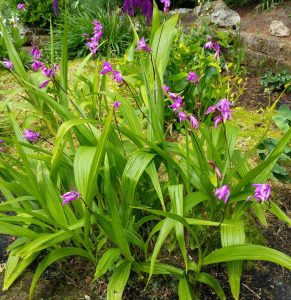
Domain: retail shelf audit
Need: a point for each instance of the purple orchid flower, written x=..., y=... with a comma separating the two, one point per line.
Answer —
x=223, y=110
x=36, y=65
x=35, y=52
x=193, y=77
x=70, y=196
x=194, y=122
x=31, y=136
x=167, y=4
x=166, y=89
x=177, y=104
x=116, y=104
x=262, y=192
x=44, y=84
x=116, y=76
x=20, y=6
x=216, y=169
x=8, y=64
x=182, y=116
x=106, y=68
x=142, y=45
x=223, y=193
x=47, y=72
x=56, y=7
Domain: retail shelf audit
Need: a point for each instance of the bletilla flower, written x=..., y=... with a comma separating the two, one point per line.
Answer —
x=47, y=72
x=223, y=110
x=93, y=42
x=177, y=104
x=56, y=7
x=106, y=68
x=35, y=52
x=116, y=104
x=20, y=6
x=44, y=84
x=1, y=148
x=262, y=192
x=30, y=135
x=216, y=169
x=209, y=45
x=142, y=45
x=36, y=65
x=7, y=64
x=182, y=116
x=222, y=193
x=166, y=89
x=167, y=4
x=70, y=196
x=116, y=76
x=193, y=77
x=194, y=122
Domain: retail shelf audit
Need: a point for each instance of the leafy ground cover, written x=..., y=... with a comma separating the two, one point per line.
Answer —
x=113, y=193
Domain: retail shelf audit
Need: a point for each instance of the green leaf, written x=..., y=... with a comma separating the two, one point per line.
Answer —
x=106, y=261
x=276, y=211
x=184, y=290
x=248, y=252
x=212, y=282
x=159, y=268
x=53, y=257
x=133, y=170
x=176, y=196
x=118, y=281
x=233, y=235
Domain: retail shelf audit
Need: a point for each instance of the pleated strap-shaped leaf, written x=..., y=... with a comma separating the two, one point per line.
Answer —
x=213, y=283
x=106, y=261
x=277, y=211
x=53, y=257
x=87, y=163
x=164, y=232
x=184, y=291
x=118, y=280
x=113, y=209
x=159, y=269
x=248, y=252
x=233, y=235
x=132, y=173
x=15, y=267
x=262, y=171
x=176, y=196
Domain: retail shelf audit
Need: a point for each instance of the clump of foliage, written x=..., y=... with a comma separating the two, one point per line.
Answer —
x=104, y=182
x=17, y=40
x=281, y=169
x=277, y=82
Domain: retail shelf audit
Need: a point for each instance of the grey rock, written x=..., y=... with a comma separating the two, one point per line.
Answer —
x=277, y=28
x=219, y=13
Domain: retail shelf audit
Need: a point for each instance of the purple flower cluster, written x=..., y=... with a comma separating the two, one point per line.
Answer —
x=131, y=7
x=36, y=65
x=56, y=7
x=193, y=77
x=115, y=75
x=142, y=45
x=20, y=6
x=222, y=108
x=262, y=192
x=212, y=45
x=93, y=42
x=167, y=4
x=223, y=193
x=7, y=64
x=1, y=147
x=70, y=196
x=31, y=136
x=177, y=107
